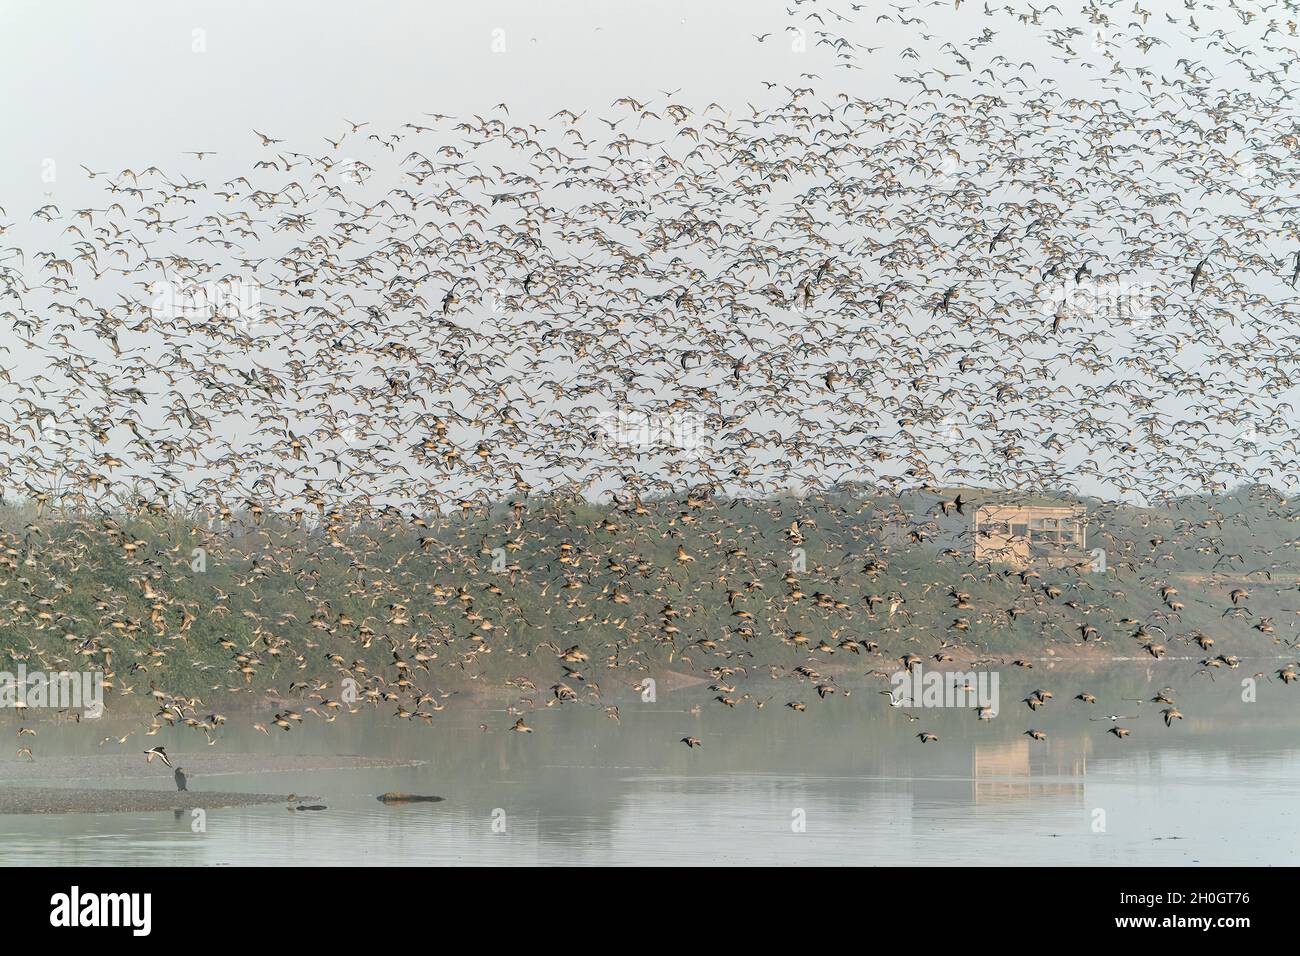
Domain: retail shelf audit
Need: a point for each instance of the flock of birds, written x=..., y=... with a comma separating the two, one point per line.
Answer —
x=407, y=376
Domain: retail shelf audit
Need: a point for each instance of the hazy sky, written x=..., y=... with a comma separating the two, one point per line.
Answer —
x=111, y=85
x=115, y=85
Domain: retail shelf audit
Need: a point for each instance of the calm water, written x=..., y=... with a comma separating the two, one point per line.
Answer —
x=1221, y=787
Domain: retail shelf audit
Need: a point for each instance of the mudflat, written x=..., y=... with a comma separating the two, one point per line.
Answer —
x=131, y=766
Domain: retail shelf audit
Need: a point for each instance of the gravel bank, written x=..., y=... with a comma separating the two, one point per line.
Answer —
x=69, y=800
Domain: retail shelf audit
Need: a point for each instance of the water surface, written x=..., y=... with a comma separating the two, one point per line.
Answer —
x=847, y=782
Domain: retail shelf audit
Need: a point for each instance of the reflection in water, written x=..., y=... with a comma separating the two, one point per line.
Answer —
x=1024, y=768
x=843, y=783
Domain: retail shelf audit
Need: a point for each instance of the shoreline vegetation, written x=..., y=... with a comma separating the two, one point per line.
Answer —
x=491, y=602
